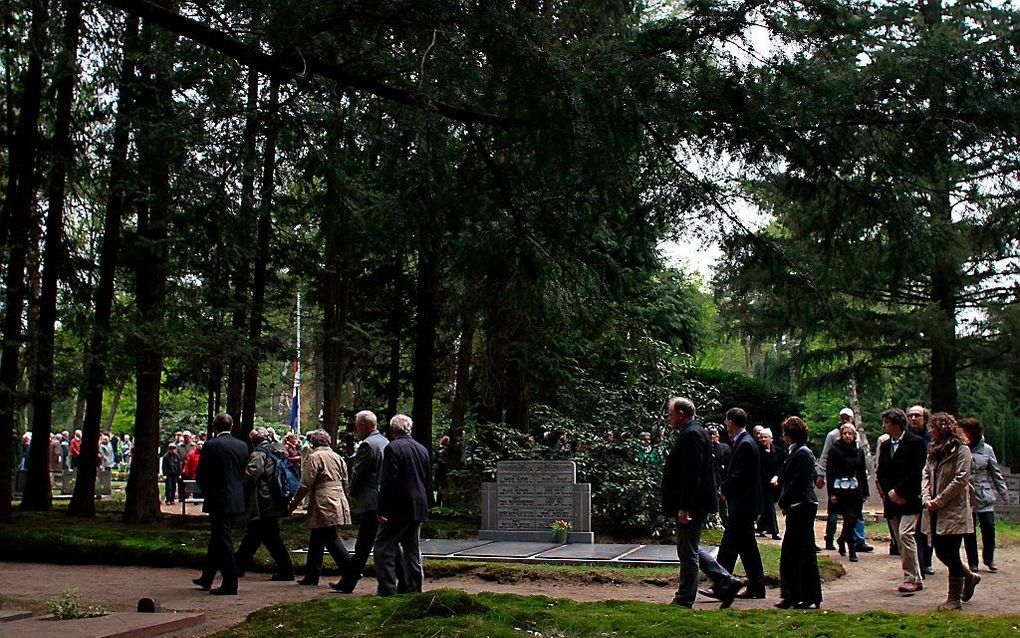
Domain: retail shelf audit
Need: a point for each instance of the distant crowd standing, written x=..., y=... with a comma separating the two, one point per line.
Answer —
x=64, y=449
x=389, y=485
x=938, y=479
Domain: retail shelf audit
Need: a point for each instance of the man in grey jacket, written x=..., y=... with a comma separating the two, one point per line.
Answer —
x=263, y=512
x=364, y=495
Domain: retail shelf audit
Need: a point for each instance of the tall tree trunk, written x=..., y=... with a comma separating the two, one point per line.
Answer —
x=156, y=150
x=462, y=377
x=38, y=494
x=114, y=406
x=336, y=307
x=95, y=375
x=397, y=311
x=251, y=374
x=427, y=302
x=242, y=273
x=18, y=210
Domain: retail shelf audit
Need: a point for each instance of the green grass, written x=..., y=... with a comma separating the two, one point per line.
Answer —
x=454, y=613
x=180, y=541
x=1007, y=534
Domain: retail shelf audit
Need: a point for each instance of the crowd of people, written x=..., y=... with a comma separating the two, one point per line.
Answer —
x=388, y=485
x=938, y=480
x=115, y=451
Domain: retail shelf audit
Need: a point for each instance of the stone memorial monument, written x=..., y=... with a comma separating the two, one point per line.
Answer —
x=529, y=495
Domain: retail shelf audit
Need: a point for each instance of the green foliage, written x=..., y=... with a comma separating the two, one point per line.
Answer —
x=67, y=606
x=511, y=615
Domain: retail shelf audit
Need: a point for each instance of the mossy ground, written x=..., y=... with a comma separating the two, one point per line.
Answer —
x=453, y=613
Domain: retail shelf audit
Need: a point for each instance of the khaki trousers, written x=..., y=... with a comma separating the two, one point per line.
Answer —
x=902, y=528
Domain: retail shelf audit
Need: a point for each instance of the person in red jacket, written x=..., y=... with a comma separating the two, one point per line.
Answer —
x=191, y=462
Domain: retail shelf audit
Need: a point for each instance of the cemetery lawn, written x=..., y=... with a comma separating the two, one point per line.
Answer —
x=447, y=612
x=1007, y=534
x=180, y=541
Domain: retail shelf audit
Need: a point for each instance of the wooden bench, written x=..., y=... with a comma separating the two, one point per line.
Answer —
x=191, y=494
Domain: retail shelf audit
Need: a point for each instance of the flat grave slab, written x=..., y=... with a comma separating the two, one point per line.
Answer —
x=10, y=615
x=507, y=549
x=583, y=551
x=115, y=625
x=445, y=547
x=653, y=553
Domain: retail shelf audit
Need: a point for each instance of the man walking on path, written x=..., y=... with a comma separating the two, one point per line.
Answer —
x=405, y=494
x=366, y=477
x=917, y=419
x=688, y=496
x=901, y=461
x=220, y=477
x=742, y=490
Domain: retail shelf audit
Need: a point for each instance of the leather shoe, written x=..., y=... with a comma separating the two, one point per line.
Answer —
x=708, y=592
x=201, y=584
x=864, y=548
x=783, y=604
x=991, y=567
x=747, y=594
x=910, y=588
x=730, y=591
x=307, y=582
x=341, y=587
x=219, y=591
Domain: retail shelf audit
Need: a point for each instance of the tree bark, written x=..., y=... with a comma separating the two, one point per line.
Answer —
x=157, y=148
x=336, y=307
x=38, y=494
x=114, y=406
x=397, y=311
x=427, y=302
x=251, y=376
x=18, y=206
x=95, y=375
x=462, y=387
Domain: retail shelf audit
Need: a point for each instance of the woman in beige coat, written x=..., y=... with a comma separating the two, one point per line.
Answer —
x=324, y=481
x=945, y=494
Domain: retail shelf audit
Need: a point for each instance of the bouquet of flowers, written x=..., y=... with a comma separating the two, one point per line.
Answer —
x=561, y=527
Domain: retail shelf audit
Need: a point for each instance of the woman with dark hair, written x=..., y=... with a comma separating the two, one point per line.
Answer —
x=846, y=477
x=945, y=494
x=799, y=584
x=987, y=480
x=324, y=481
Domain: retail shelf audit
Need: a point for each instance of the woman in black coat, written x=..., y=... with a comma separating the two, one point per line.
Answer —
x=846, y=477
x=799, y=583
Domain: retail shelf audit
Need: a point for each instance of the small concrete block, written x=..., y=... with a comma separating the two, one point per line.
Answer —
x=149, y=606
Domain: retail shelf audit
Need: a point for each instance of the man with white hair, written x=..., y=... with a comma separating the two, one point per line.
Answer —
x=405, y=494
x=846, y=415
x=366, y=476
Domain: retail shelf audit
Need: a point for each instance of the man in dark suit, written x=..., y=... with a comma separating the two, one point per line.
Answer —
x=405, y=493
x=901, y=460
x=688, y=496
x=741, y=489
x=221, y=479
x=366, y=476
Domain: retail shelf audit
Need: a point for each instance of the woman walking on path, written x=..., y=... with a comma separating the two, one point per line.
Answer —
x=846, y=476
x=945, y=494
x=799, y=583
x=324, y=480
x=986, y=479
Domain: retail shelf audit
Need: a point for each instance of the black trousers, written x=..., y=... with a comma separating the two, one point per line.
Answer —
x=322, y=539
x=799, y=581
x=220, y=555
x=924, y=550
x=367, y=529
x=264, y=531
x=947, y=548
x=985, y=521
x=738, y=540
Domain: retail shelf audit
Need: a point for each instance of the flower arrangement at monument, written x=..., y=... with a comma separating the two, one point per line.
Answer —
x=560, y=528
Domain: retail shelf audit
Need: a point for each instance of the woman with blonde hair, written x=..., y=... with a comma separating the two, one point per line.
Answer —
x=846, y=476
x=945, y=495
x=324, y=481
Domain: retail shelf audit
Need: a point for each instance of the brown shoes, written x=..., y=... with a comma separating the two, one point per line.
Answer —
x=910, y=588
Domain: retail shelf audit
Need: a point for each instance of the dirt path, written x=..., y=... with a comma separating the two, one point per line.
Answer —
x=868, y=585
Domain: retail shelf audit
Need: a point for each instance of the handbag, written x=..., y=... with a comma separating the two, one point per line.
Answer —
x=846, y=484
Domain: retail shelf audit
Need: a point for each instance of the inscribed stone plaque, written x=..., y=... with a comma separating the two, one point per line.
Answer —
x=530, y=495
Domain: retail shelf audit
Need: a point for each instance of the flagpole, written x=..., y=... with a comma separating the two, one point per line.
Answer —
x=297, y=367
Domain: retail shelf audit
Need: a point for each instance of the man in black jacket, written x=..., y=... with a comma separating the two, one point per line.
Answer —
x=221, y=479
x=901, y=461
x=405, y=494
x=688, y=495
x=741, y=489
